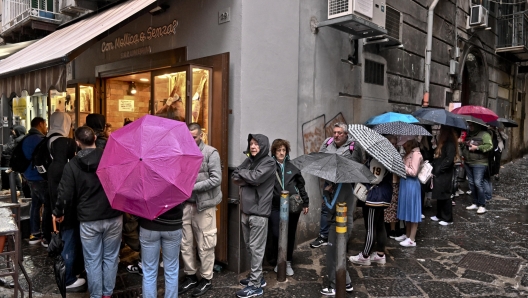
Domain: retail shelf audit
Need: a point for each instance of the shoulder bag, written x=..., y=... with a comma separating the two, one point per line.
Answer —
x=295, y=200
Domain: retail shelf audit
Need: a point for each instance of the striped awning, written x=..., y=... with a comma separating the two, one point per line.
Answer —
x=53, y=77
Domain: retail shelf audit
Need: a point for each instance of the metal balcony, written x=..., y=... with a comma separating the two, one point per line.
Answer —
x=513, y=36
x=34, y=14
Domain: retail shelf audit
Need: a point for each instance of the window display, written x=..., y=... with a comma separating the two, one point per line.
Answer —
x=64, y=102
x=170, y=95
x=201, y=99
x=26, y=107
x=85, y=103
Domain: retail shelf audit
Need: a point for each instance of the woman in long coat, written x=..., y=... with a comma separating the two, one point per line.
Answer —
x=443, y=170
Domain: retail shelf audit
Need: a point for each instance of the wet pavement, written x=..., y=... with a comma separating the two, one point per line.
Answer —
x=478, y=256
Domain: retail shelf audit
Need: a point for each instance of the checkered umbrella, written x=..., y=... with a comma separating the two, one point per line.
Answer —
x=378, y=147
x=399, y=128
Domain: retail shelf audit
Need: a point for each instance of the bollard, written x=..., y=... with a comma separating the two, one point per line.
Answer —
x=283, y=235
x=341, y=230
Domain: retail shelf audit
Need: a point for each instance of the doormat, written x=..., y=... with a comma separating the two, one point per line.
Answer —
x=494, y=265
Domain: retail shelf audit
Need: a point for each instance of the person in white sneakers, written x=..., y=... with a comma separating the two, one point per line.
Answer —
x=409, y=204
x=378, y=198
x=478, y=144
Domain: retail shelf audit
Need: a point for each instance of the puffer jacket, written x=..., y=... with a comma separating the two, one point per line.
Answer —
x=256, y=178
x=207, y=191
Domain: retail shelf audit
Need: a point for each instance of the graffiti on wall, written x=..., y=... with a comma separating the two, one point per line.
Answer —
x=317, y=130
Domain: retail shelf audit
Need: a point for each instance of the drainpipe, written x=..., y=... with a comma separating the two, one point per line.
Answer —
x=428, y=49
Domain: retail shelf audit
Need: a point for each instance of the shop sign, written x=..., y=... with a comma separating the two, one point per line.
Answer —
x=126, y=105
x=136, y=52
x=130, y=39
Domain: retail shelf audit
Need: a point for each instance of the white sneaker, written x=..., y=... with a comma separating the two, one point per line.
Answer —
x=289, y=270
x=161, y=264
x=360, y=260
x=375, y=258
x=459, y=192
x=423, y=216
x=401, y=238
x=445, y=223
x=468, y=192
x=408, y=243
x=434, y=218
x=79, y=282
x=472, y=207
x=481, y=210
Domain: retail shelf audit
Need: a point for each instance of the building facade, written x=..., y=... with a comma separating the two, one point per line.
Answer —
x=274, y=67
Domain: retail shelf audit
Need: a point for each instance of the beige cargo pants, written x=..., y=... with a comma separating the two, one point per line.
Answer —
x=199, y=231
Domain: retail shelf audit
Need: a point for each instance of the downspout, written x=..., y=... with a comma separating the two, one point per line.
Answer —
x=428, y=49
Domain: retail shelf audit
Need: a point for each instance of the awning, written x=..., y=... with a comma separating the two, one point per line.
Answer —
x=53, y=77
x=11, y=48
x=57, y=48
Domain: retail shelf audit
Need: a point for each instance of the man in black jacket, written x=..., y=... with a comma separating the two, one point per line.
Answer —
x=100, y=224
x=256, y=178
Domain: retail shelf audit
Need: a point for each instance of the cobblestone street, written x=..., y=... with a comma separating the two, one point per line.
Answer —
x=478, y=256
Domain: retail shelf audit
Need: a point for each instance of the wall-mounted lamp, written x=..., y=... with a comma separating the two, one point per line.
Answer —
x=132, y=88
x=159, y=9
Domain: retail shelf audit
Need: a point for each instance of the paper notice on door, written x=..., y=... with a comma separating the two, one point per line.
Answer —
x=126, y=105
x=364, y=7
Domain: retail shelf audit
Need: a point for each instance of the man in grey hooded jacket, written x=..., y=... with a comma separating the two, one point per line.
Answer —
x=256, y=178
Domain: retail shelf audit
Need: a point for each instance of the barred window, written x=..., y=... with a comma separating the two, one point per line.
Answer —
x=374, y=72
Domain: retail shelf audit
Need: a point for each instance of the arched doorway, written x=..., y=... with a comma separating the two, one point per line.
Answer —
x=474, y=79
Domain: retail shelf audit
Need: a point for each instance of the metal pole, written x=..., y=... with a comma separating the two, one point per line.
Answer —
x=341, y=230
x=12, y=187
x=283, y=235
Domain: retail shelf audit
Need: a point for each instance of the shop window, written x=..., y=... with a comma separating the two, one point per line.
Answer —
x=183, y=94
x=64, y=102
x=21, y=110
x=86, y=103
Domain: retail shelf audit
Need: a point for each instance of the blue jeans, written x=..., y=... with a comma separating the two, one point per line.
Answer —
x=324, y=227
x=151, y=242
x=101, y=240
x=71, y=253
x=479, y=186
x=39, y=196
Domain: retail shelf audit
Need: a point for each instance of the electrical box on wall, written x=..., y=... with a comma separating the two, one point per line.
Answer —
x=453, y=67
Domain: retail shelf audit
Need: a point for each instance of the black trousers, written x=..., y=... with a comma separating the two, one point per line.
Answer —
x=375, y=227
x=444, y=210
x=293, y=219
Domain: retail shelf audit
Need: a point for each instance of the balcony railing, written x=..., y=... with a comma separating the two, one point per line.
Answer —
x=513, y=32
x=17, y=11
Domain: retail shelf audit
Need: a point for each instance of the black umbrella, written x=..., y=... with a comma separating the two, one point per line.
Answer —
x=334, y=168
x=441, y=116
x=55, y=247
x=472, y=119
x=504, y=122
x=401, y=129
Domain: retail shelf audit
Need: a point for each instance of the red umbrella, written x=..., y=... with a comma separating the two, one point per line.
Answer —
x=479, y=112
x=149, y=166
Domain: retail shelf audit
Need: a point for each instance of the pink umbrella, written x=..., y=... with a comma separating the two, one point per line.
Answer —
x=479, y=112
x=149, y=166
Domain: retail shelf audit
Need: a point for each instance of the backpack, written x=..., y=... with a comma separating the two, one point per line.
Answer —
x=42, y=157
x=331, y=140
x=19, y=163
x=494, y=157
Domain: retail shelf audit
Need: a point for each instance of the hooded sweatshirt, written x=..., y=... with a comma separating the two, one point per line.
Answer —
x=80, y=188
x=256, y=178
x=98, y=123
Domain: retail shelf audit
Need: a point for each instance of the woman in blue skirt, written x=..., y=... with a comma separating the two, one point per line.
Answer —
x=409, y=198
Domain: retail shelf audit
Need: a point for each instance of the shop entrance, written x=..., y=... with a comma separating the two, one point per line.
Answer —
x=187, y=91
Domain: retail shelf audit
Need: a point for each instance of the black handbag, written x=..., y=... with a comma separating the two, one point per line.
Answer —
x=295, y=200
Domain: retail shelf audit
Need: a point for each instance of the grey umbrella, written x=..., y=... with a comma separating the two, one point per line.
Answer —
x=472, y=119
x=441, y=116
x=399, y=128
x=378, y=147
x=333, y=167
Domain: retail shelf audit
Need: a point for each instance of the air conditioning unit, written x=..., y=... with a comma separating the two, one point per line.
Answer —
x=393, y=25
x=478, y=16
x=372, y=10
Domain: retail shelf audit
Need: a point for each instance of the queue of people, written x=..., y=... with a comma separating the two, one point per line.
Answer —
x=92, y=230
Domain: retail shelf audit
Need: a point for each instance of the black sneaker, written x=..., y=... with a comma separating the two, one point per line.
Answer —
x=190, y=282
x=202, y=287
x=319, y=241
x=44, y=242
x=136, y=269
x=245, y=282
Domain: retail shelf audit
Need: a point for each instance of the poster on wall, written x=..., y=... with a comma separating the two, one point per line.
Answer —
x=126, y=105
